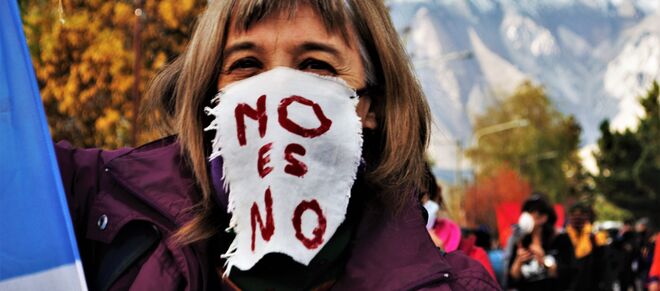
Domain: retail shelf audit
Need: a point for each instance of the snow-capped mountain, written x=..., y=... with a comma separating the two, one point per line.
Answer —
x=594, y=57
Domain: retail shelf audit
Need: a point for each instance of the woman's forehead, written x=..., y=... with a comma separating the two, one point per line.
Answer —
x=333, y=14
x=293, y=37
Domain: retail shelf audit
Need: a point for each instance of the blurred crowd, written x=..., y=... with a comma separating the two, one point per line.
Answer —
x=579, y=254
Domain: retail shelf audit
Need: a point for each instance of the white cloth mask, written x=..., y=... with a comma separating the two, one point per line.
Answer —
x=526, y=222
x=291, y=143
x=432, y=210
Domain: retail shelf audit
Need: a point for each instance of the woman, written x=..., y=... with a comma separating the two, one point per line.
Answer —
x=539, y=258
x=153, y=218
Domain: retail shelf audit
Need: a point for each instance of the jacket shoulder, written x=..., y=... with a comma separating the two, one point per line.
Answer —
x=79, y=170
x=133, y=189
x=469, y=274
x=156, y=144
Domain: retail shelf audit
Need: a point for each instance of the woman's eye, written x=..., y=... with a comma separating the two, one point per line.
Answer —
x=317, y=66
x=245, y=64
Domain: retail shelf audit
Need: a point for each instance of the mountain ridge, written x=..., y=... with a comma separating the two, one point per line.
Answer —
x=593, y=57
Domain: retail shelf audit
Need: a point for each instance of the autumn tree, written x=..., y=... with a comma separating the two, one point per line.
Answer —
x=84, y=59
x=629, y=162
x=544, y=152
x=504, y=185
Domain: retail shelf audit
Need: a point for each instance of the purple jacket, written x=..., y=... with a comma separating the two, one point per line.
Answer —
x=108, y=190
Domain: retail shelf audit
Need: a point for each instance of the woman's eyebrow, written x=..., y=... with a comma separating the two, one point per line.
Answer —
x=311, y=46
x=237, y=47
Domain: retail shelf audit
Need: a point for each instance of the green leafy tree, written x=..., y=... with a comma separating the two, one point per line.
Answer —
x=83, y=55
x=606, y=210
x=629, y=162
x=544, y=152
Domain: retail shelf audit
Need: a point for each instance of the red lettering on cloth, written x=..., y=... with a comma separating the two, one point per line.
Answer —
x=268, y=228
x=295, y=128
x=263, y=159
x=295, y=166
x=318, y=232
x=259, y=114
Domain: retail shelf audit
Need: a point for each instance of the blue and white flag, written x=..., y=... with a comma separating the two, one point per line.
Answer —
x=37, y=245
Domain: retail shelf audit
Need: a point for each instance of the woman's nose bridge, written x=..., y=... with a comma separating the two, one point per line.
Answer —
x=280, y=58
x=278, y=54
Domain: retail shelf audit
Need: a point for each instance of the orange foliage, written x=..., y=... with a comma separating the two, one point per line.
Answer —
x=84, y=59
x=506, y=185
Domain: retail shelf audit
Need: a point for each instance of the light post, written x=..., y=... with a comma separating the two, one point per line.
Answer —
x=427, y=62
x=516, y=123
x=499, y=127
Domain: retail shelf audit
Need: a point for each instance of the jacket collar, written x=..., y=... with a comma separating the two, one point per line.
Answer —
x=157, y=175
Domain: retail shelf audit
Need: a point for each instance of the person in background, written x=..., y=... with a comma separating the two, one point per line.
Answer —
x=654, y=272
x=629, y=251
x=646, y=242
x=539, y=258
x=429, y=196
x=445, y=233
x=468, y=245
x=431, y=193
x=484, y=237
x=588, y=272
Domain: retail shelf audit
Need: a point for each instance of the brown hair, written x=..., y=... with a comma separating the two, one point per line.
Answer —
x=394, y=151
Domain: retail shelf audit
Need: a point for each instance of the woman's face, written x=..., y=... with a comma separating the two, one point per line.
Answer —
x=539, y=218
x=299, y=42
x=578, y=219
